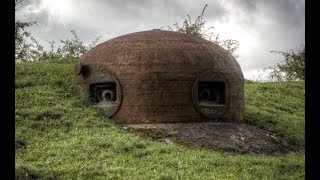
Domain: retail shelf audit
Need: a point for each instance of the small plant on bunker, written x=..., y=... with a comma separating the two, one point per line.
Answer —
x=198, y=28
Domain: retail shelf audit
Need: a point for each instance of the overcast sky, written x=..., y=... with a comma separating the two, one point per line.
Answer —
x=258, y=25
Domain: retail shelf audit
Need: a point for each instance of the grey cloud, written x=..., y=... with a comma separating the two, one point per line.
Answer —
x=116, y=17
x=287, y=12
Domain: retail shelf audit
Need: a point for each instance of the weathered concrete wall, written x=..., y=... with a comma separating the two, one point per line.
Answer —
x=157, y=73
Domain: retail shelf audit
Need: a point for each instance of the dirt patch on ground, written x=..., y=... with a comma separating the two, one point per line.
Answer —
x=223, y=137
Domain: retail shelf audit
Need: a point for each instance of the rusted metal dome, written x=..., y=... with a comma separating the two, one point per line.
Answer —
x=162, y=76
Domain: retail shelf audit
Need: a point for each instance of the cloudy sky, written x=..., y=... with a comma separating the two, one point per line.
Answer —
x=258, y=25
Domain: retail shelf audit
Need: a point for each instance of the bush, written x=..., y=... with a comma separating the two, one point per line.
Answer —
x=71, y=48
x=292, y=66
x=197, y=28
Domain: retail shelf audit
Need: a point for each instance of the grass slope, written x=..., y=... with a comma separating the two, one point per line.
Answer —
x=277, y=107
x=58, y=135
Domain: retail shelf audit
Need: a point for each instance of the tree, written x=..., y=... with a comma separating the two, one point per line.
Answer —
x=25, y=50
x=28, y=49
x=291, y=67
x=197, y=28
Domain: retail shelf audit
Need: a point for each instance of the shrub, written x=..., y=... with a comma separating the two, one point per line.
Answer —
x=197, y=28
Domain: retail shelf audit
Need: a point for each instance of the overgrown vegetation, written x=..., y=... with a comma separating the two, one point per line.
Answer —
x=33, y=51
x=198, y=28
x=291, y=67
x=60, y=136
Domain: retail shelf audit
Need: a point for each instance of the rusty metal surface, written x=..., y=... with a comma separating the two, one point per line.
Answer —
x=157, y=71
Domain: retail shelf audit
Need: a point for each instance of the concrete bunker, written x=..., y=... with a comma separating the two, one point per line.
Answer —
x=162, y=77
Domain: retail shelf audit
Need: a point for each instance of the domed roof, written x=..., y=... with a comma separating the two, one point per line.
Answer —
x=161, y=47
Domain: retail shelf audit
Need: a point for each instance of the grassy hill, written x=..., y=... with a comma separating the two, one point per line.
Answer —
x=59, y=135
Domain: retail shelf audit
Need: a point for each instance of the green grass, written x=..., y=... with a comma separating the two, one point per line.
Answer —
x=277, y=107
x=58, y=135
